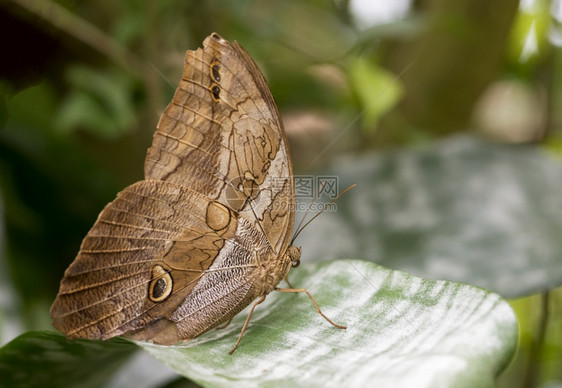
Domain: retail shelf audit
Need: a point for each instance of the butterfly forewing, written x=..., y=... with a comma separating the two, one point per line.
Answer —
x=222, y=133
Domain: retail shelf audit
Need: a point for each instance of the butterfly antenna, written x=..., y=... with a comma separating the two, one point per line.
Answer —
x=309, y=207
x=300, y=229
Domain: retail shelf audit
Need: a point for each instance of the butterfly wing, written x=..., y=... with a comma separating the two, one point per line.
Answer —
x=222, y=135
x=153, y=230
x=175, y=255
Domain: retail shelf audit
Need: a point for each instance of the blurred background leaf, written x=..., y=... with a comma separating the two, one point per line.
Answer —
x=378, y=90
x=57, y=362
x=461, y=209
x=99, y=102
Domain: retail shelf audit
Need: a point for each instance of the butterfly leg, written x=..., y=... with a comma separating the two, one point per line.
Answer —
x=313, y=301
x=288, y=282
x=224, y=326
x=260, y=300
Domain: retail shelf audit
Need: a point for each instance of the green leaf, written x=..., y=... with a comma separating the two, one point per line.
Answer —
x=378, y=90
x=462, y=209
x=99, y=102
x=402, y=330
x=48, y=359
x=530, y=33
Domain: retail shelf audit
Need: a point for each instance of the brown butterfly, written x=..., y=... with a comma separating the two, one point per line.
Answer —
x=208, y=230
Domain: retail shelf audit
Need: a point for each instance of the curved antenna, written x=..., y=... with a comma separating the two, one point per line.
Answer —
x=316, y=215
x=308, y=209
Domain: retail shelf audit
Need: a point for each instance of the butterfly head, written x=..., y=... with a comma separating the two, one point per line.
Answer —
x=294, y=253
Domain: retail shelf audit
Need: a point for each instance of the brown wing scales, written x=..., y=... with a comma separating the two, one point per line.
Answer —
x=218, y=188
x=116, y=268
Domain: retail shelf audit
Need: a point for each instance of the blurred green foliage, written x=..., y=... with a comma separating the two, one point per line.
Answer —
x=82, y=85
